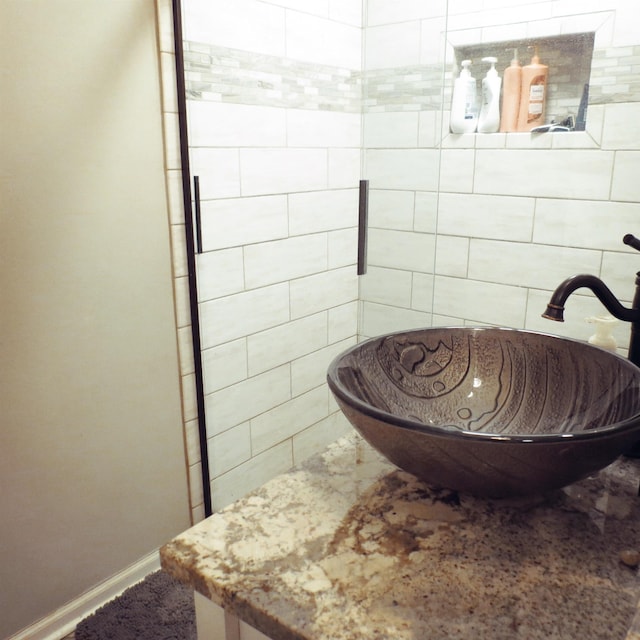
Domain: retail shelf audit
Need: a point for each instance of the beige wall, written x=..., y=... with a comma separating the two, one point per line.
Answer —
x=92, y=465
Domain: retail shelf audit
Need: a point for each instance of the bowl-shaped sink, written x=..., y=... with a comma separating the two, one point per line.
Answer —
x=487, y=411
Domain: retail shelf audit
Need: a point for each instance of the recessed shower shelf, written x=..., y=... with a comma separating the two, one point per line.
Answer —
x=569, y=59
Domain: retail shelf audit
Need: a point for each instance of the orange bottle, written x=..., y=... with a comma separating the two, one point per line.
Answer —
x=511, y=87
x=534, y=94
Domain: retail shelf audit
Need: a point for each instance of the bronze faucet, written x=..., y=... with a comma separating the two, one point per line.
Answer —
x=555, y=309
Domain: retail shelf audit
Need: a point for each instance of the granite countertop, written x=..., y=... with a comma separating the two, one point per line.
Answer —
x=347, y=546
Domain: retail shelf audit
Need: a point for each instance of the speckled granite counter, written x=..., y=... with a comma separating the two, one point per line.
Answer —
x=348, y=547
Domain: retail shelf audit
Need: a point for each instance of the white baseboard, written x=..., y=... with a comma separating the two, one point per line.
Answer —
x=63, y=621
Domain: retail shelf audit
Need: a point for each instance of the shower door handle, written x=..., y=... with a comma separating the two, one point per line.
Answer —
x=198, y=217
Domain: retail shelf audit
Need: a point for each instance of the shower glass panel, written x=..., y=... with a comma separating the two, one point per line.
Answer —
x=403, y=84
x=274, y=123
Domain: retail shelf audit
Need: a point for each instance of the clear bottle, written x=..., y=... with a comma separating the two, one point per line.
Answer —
x=511, y=89
x=534, y=94
x=489, y=118
x=464, y=110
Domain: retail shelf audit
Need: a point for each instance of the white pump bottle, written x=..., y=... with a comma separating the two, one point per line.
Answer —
x=489, y=119
x=464, y=111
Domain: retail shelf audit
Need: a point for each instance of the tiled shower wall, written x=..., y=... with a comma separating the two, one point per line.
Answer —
x=274, y=114
x=483, y=232
x=474, y=229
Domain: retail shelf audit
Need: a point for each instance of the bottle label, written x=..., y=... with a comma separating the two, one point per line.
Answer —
x=536, y=98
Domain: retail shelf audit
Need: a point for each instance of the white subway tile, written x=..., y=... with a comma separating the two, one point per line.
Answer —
x=265, y=171
x=195, y=484
x=621, y=129
x=626, y=25
x=185, y=351
x=189, y=399
x=217, y=124
x=347, y=11
x=310, y=371
x=244, y=400
x=322, y=211
x=343, y=248
x=457, y=170
x=429, y=128
x=323, y=291
x=226, y=319
x=280, y=260
x=273, y=347
x=175, y=197
x=250, y=475
x=391, y=209
x=395, y=129
x=384, y=12
x=240, y=221
x=219, y=273
x=314, y=7
x=480, y=302
x=426, y=211
x=320, y=435
x=183, y=304
x=229, y=449
x=224, y=365
x=422, y=292
x=625, y=184
x=433, y=36
x=343, y=322
x=308, y=128
x=528, y=265
x=179, y=251
x=172, y=141
x=481, y=216
x=555, y=173
x=403, y=168
x=192, y=441
x=393, y=45
x=242, y=24
x=344, y=168
x=378, y=319
x=452, y=255
x=586, y=224
x=169, y=84
x=321, y=41
x=619, y=273
x=401, y=250
x=288, y=419
x=386, y=286
x=218, y=172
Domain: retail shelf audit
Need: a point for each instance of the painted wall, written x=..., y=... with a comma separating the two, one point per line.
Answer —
x=274, y=117
x=488, y=225
x=91, y=446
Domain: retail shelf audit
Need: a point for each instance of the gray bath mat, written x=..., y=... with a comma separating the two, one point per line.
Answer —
x=158, y=608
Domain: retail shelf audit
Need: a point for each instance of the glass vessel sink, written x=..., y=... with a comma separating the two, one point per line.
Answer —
x=488, y=411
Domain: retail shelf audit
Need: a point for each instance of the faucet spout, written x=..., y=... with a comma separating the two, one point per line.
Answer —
x=555, y=308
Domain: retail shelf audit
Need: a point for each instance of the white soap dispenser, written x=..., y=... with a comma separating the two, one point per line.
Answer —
x=602, y=337
x=464, y=111
x=489, y=119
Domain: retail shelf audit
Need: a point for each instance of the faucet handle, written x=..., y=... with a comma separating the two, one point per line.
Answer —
x=632, y=241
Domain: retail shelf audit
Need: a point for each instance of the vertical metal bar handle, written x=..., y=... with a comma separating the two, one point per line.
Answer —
x=363, y=214
x=196, y=195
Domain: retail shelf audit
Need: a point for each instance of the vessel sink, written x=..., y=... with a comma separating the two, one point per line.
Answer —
x=488, y=411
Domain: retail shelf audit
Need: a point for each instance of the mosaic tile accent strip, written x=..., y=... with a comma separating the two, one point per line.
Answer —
x=615, y=75
x=220, y=74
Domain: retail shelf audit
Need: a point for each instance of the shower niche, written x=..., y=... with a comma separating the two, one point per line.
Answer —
x=568, y=58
